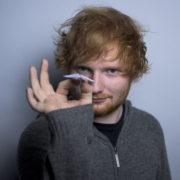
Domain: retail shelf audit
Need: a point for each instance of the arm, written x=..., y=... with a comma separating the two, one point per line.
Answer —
x=32, y=150
x=72, y=133
x=57, y=141
x=63, y=134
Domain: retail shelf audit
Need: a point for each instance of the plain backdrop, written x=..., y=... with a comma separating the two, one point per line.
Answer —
x=27, y=34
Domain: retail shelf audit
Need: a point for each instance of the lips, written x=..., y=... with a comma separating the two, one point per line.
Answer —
x=98, y=100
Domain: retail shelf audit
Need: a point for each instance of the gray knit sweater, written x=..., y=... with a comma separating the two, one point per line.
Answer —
x=64, y=145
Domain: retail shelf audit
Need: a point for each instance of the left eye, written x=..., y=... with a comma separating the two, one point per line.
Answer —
x=112, y=71
x=84, y=71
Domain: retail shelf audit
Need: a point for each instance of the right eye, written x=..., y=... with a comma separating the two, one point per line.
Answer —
x=84, y=71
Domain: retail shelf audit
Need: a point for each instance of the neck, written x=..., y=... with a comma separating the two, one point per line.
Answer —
x=111, y=118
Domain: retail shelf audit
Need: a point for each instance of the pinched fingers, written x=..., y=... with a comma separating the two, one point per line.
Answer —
x=68, y=85
x=64, y=87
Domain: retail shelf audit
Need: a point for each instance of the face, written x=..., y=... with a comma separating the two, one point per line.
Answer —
x=111, y=85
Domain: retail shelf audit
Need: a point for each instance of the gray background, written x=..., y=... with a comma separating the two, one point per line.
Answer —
x=26, y=36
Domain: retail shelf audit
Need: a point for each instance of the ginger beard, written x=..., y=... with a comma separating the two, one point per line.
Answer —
x=111, y=82
x=110, y=102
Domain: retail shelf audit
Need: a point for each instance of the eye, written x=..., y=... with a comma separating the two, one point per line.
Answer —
x=112, y=71
x=84, y=71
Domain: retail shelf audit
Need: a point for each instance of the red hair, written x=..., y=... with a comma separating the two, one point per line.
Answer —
x=90, y=31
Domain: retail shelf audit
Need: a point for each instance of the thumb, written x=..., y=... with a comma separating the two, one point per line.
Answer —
x=64, y=87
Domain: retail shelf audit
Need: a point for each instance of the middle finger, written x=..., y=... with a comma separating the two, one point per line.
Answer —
x=44, y=76
x=35, y=84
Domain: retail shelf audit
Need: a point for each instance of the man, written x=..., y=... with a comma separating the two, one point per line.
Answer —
x=97, y=134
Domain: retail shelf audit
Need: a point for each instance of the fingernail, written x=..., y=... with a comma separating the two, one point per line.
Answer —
x=44, y=60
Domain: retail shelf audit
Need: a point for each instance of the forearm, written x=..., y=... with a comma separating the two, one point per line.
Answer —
x=72, y=123
x=33, y=150
x=72, y=132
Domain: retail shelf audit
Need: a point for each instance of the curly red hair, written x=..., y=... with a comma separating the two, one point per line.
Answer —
x=88, y=33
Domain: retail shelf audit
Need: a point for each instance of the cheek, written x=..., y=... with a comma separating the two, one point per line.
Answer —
x=115, y=86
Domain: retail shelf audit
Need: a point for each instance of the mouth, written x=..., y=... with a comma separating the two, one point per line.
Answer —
x=98, y=100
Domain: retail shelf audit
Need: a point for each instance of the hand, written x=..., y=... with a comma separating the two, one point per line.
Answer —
x=43, y=98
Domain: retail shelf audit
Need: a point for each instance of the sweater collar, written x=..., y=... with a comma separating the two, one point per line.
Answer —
x=127, y=112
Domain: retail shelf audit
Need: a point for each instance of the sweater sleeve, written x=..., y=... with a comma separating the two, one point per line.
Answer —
x=56, y=144
x=71, y=123
x=32, y=150
x=72, y=135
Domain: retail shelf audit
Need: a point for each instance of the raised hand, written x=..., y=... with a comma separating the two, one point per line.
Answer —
x=43, y=98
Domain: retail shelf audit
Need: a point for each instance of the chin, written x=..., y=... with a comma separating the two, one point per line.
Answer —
x=104, y=109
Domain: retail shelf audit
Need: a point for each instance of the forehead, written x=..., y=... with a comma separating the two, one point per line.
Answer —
x=109, y=57
x=101, y=62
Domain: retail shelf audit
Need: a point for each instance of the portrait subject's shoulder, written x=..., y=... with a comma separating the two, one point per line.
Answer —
x=145, y=120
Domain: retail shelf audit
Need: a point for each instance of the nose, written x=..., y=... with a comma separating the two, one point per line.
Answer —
x=98, y=84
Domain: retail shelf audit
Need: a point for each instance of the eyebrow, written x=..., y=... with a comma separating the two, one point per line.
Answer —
x=84, y=66
x=103, y=68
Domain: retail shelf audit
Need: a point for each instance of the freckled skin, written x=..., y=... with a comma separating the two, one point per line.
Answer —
x=111, y=86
